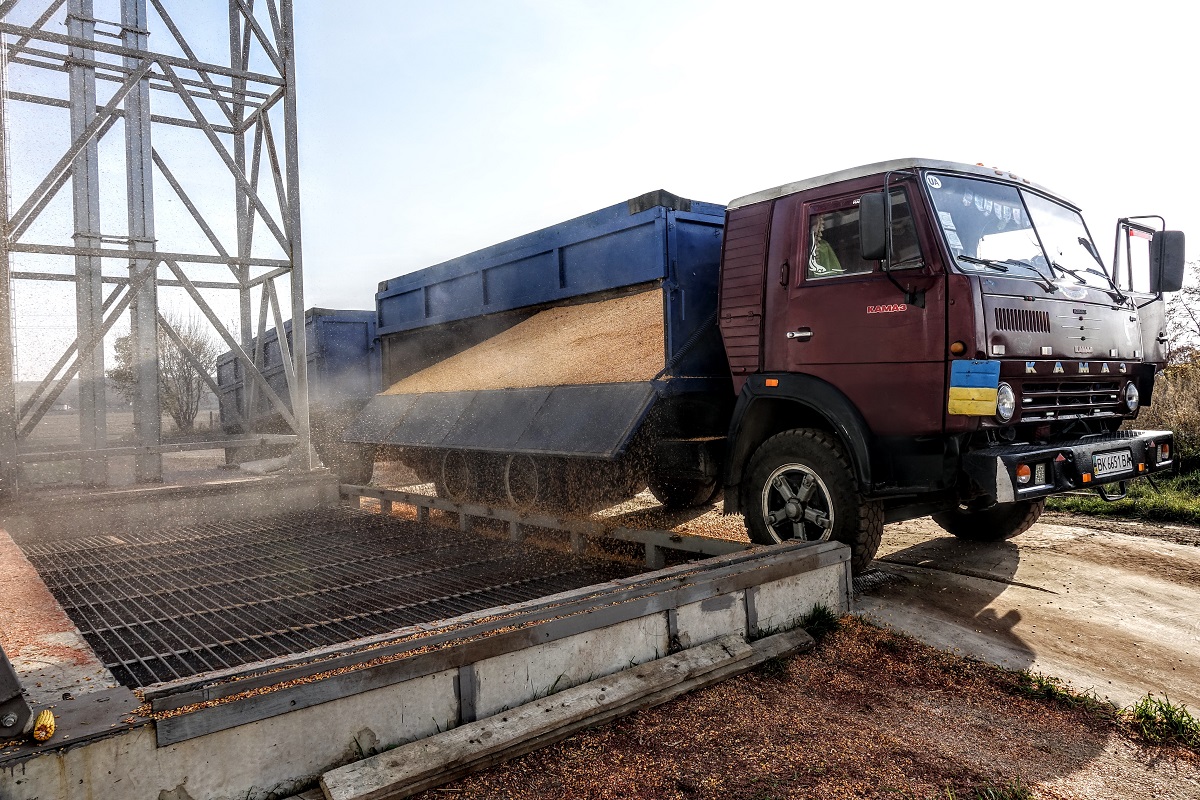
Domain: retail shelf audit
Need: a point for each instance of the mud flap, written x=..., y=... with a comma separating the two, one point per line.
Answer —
x=593, y=421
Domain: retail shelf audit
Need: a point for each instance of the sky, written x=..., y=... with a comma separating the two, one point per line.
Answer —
x=429, y=130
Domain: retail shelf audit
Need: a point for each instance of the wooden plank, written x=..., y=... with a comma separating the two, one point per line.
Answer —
x=377, y=776
x=436, y=760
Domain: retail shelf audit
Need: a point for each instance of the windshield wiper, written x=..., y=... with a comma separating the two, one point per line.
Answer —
x=1115, y=292
x=1002, y=266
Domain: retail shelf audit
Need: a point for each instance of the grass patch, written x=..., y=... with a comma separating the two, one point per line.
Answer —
x=819, y=622
x=1013, y=790
x=1160, y=721
x=1176, y=500
x=1044, y=687
x=1152, y=719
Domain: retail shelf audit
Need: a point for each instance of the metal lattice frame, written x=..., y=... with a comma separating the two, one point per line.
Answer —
x=113, y=76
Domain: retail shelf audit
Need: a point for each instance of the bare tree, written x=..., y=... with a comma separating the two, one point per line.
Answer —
x=180, y=383
x=1183, y=319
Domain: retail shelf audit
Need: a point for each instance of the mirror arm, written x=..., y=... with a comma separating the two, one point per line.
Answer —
x=1154, y=299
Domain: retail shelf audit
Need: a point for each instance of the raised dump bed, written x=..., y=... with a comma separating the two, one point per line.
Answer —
x=343, y=373
x=570, y=366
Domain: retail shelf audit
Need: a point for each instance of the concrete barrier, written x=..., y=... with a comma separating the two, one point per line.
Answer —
x=252, y=735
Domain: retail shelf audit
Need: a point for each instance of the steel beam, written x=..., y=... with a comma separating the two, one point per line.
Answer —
x=8, y=394
x=291, y=152
x=89, y=291
x=147, y=405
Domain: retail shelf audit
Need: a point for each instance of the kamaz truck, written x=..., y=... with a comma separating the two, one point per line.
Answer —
x=896, y=340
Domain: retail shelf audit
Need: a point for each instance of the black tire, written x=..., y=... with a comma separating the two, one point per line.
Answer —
x=993, y=523
x=791, y=456
x=684, y=493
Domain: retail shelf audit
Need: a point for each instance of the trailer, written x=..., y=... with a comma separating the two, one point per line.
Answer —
x=567, y=367
x=894, y=340
x=343, y=374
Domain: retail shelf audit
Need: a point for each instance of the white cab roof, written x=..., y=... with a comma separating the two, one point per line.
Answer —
x=886, y=166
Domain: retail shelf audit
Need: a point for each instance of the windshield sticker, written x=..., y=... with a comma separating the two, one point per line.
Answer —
x=934, y=181
x=953, y=239
x=947, y=220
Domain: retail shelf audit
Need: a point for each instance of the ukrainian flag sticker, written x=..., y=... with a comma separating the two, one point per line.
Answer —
x=973, y=388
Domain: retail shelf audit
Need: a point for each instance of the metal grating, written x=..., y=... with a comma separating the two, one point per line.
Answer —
x=163, y=605
x=1022, y=319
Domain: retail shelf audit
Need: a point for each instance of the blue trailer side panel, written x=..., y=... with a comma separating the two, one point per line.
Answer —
x=343, y=364
x=622, y=245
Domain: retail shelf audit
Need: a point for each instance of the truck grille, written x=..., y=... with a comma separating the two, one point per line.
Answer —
x=1068, y=399
x=1021, y=319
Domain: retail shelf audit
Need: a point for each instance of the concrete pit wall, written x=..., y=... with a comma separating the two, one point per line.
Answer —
x=269, y=745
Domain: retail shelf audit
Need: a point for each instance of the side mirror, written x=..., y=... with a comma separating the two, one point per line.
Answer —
x=1166, y=262
x=872, y=226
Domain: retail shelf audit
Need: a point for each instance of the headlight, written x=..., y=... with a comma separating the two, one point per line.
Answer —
x=1131, y=397
x=1006, y=402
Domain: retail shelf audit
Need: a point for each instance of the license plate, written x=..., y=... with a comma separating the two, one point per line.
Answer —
x=1112, y=463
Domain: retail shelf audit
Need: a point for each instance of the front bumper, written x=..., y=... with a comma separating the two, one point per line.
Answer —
x=1066, y=466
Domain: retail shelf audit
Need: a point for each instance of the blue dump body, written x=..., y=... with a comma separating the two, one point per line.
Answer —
x=656, y=237
x=343, y=365
x=655, y=241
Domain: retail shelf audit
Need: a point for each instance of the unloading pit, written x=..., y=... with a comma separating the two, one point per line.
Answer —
x=163, y=605
x=268, y=652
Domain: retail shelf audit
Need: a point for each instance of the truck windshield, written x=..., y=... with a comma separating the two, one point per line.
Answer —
x=990, y=224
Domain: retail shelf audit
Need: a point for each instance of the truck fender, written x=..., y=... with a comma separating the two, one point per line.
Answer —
x=795, y=401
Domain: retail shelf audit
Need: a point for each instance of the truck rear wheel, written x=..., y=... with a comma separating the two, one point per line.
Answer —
x=995, y=523
x=800, y=486
x=683, y=493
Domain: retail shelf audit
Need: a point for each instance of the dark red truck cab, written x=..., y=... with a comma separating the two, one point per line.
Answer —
x=921, y=337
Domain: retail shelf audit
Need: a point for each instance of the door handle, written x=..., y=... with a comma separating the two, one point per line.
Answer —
x=803, y=334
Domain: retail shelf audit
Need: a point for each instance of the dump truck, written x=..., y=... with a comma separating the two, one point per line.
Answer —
x=901, y=339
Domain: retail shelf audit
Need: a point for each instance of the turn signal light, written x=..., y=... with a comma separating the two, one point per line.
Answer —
x=771, y=381
x=958, y=348
x=1024, y=473
x=1164, y=452
x=1087, y=477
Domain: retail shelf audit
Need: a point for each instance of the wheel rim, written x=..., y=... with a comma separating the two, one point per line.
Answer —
x=796, y=505
x=521, y=482
x=456, y=475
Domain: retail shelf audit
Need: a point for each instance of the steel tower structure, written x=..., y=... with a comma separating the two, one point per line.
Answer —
x=71, y=79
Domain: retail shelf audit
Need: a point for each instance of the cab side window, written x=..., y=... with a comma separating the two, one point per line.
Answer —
x=833, y=243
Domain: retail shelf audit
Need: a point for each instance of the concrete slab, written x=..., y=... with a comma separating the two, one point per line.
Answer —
x=48, y=653
x=1104, y=610
x=69, y=513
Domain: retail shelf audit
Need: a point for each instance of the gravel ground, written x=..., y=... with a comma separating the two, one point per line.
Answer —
x=868, y=714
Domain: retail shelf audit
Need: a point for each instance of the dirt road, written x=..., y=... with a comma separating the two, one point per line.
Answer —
x=1116, y=612
x=1104, y=603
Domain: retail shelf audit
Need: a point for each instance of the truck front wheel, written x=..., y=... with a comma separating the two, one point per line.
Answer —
x=800, y=486
x=994, y=523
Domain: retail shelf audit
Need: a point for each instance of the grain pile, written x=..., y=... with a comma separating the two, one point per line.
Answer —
x=610, y=341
